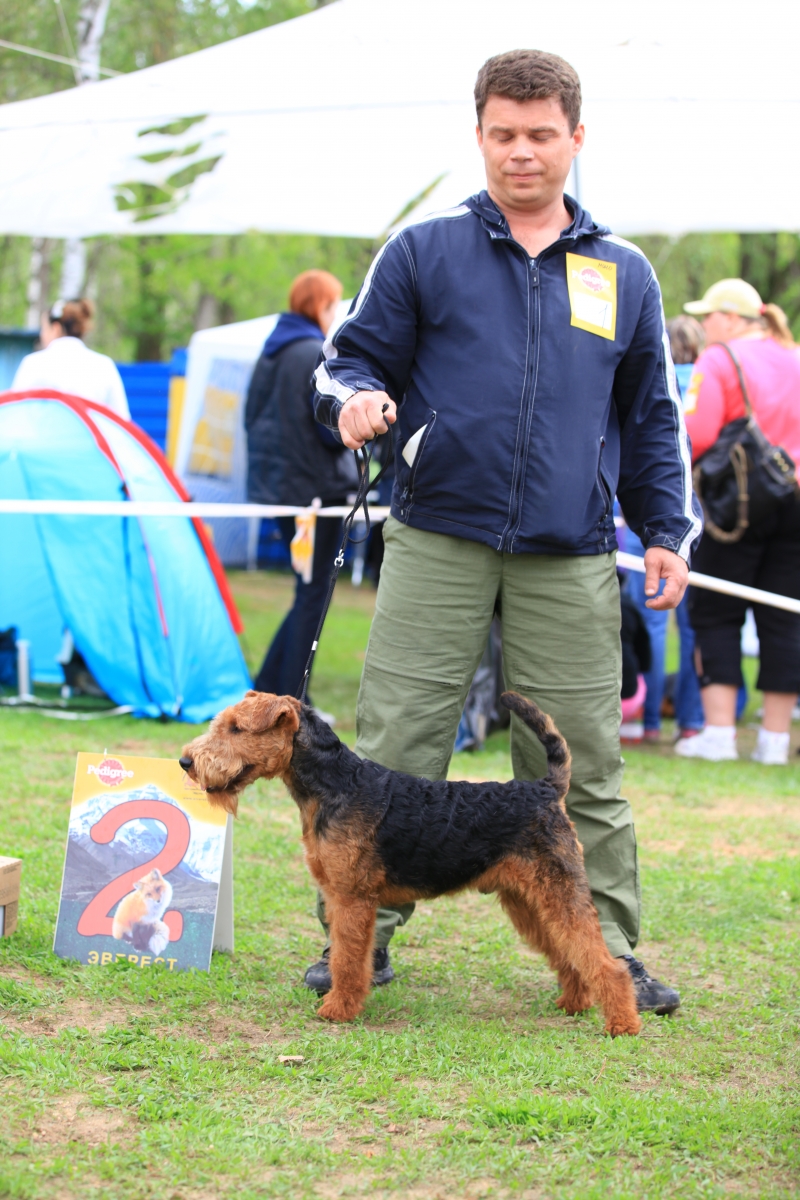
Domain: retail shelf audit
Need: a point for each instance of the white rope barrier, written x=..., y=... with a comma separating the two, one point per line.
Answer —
x=754, y=595
x=206, y=510
x=172, y=508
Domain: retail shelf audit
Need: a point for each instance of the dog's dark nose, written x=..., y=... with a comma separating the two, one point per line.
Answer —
x=185, y=763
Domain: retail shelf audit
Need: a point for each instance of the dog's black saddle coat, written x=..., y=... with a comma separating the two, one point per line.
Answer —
x=430, y=835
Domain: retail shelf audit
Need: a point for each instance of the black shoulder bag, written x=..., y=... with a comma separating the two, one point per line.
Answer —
x=743, y=478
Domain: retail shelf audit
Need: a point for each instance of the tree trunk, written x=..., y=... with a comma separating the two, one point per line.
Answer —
x=90, y=29
x=36, y=300
x=207, y=315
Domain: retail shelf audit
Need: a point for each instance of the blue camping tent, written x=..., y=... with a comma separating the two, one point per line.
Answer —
x=145, y=598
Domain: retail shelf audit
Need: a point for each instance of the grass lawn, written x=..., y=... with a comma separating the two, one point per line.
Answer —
x=462, y=1079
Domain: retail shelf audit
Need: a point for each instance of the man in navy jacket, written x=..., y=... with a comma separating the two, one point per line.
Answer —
x=521, y=349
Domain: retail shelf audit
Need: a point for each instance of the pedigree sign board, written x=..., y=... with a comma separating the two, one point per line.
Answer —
x=148, y=867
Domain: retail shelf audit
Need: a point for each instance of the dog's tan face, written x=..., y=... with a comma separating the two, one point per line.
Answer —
x=250, y=740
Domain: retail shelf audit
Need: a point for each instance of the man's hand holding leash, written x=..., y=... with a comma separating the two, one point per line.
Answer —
x=364, y=415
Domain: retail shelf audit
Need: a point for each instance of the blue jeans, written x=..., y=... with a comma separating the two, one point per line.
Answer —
x=656, y=623
x=688, y=705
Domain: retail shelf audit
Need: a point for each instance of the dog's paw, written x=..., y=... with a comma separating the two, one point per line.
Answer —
x=573, y=1004
x=620, y=1026
x=334, y=1008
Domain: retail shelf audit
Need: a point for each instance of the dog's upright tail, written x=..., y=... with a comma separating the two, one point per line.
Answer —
x=555, y=747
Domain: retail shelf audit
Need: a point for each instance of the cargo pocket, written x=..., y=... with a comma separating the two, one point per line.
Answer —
x=409, y=705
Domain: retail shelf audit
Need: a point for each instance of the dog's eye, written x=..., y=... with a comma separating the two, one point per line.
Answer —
x=235, y=729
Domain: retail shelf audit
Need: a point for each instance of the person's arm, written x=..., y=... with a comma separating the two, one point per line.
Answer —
x=367, y=362
x=22, y=375
x=116, y=397
x=655, y=480
x=705, y=402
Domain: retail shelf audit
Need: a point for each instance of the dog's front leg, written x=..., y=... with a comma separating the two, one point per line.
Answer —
x=352, y=940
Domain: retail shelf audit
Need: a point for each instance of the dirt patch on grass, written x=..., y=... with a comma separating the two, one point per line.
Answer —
x=361, y=1184
x=135, y=746
x=222, y=1029
x=20, y=975
x=729, y=827
x=94, y=1016
x=75, y=1119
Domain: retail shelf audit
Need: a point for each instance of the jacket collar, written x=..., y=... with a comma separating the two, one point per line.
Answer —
x=496, y=224
x=290, y=327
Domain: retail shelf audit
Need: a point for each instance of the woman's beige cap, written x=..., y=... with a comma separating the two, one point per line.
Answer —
x=729, y=295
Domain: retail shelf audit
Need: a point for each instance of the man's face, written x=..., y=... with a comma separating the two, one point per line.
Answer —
x=528, y=150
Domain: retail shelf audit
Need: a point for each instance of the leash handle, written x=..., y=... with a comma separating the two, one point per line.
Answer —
x=365, y=486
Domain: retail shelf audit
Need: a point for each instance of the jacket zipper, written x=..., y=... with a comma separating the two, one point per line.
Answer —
x=602, y=481
x=534, y=302
x=407, y=498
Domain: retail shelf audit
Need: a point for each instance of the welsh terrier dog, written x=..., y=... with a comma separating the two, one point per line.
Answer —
x=375, y=837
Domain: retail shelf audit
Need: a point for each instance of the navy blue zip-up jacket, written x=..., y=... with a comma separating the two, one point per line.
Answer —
x=516, y=427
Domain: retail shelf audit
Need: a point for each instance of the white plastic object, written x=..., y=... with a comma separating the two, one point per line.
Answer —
x=24, y=669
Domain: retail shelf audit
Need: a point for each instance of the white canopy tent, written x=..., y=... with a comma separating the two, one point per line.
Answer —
x=334, y=121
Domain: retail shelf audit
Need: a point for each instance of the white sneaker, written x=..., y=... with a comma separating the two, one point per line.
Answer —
x=714, y=744
x=772, y=749
x=327, y=717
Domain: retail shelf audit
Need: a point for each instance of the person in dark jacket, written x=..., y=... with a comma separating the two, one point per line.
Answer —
x=521, y=348
x=292, y=460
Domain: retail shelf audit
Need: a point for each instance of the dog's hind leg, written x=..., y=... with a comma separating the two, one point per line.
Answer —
x=352, y=936
x=563, y=923
x=575, y=997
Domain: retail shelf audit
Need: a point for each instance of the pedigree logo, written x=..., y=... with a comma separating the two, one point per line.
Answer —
x=592, y=279
x=110, y=772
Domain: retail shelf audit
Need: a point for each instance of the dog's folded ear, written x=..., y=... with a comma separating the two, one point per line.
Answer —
x=261, y=711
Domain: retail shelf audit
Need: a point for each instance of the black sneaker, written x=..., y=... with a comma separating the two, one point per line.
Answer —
x=318, y=976
x=651, y=994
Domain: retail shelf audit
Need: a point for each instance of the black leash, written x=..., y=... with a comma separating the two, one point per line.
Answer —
x=365, y=486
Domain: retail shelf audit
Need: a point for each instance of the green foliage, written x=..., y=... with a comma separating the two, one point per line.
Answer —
x=687, y=266
x=139, y=33
x=150, y=289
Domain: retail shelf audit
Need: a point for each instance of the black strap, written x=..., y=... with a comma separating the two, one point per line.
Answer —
x=365, y=486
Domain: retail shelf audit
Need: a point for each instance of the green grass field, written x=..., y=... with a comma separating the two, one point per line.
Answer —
x=462, y=1079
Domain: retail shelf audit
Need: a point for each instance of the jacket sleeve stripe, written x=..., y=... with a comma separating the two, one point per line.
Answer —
x=326, y=384
x=682, y=440
x=696, y=525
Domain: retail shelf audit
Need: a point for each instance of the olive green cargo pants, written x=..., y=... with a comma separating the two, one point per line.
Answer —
x=561, y=648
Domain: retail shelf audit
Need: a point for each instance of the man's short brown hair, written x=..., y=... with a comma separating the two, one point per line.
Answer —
x=530, y=75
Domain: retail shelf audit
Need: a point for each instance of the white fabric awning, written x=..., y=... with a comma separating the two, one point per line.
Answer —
x=333, y=122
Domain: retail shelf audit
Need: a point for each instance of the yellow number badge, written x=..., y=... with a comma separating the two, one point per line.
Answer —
x=592, y=285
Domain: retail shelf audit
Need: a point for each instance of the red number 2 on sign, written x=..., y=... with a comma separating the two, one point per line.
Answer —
x=95, y=919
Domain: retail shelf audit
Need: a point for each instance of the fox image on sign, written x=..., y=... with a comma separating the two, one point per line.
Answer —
x=138, y=916
x=147, y=871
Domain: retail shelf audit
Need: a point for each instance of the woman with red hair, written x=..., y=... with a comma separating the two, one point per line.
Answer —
x=293, y=460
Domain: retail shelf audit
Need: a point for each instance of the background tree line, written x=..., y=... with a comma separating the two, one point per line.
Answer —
x=153, y=292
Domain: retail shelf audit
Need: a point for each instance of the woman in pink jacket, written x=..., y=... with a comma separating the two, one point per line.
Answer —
x=766, y=557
